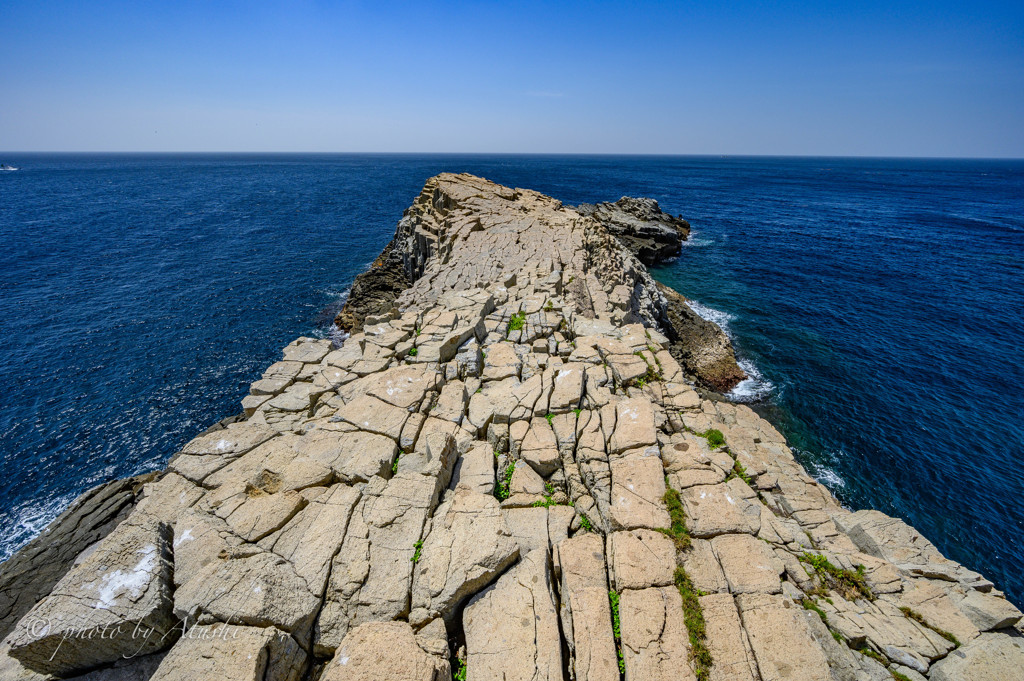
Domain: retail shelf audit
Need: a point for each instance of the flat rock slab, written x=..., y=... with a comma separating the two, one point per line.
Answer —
x=512, y=626
x=638, y=485
x=642, y=558
x=990, y=657
x=586, y=613
x=655, y=641
x=229, y=652
x=749, y=564
x=374, y=416
x=782, y=644
x=467, y=545
x=385, y=651
x=725, y=508
x=115, y=603
x=258, y=590
x=726, y=640
x=634, y=424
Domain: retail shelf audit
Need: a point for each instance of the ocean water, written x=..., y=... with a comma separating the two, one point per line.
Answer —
x=878, y=305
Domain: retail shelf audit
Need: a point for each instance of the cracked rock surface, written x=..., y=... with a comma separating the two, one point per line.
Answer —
x=488, y=478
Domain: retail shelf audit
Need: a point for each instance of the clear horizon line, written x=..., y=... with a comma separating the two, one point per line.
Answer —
x=528, y=153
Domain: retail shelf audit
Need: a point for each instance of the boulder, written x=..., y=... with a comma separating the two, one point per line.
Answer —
x=115, y=603
x=228, y=652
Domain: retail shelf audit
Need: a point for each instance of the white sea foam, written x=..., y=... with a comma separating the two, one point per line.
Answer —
x=712, y=315
x=28, y=520
x=753, y=388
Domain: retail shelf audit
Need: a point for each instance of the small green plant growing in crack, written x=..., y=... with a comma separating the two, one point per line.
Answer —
x=394, y=466
x=577, y=411
x=677, y=530
x=919, y=618
x=899, y=677
x=585, y=523
x=714, y=437
x=811, y=605
x=419, y=547
x=874, y=656
x=850, y=583
x=413, y=352
x=516, y=322
x=613, y=598
x=550, y=418
x=460, y=670
x=740, y=471
x=693, y=616
x=505, y=479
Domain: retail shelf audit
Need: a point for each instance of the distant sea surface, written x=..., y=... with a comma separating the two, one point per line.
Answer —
x=878, y=304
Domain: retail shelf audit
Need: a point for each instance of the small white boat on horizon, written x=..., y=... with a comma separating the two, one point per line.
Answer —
x=4, y=166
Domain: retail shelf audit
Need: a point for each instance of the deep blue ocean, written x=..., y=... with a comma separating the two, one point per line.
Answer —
x=878, y=303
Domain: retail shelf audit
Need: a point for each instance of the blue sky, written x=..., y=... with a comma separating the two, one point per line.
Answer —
x=837, y=78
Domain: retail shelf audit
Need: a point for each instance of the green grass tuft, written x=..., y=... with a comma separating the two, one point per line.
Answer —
x=694, y=618
x=419, y=547
x=851, y=584
x=516, y=322
x=714, y=437
x=585, y=523
x=919, y=618
x=505, y=479
x=677, y=532
x=613, y=597
x=413, y=352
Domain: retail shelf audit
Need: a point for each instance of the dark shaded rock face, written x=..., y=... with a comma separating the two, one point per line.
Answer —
x=699, y=345
x=32, y=572
x=641, y=226
x=374, y=290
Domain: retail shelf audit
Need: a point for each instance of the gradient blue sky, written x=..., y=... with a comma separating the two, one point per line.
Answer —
x=823, y=78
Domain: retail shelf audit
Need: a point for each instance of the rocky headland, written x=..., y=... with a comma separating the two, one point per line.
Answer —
x=504, y=472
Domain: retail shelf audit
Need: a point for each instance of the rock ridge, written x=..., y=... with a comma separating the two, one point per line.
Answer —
x=502, y=473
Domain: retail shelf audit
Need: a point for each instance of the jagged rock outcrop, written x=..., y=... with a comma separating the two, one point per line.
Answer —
x=502, y=476
x=641, y=226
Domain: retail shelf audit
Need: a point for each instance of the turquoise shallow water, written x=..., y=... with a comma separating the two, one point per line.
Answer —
x=877, y=301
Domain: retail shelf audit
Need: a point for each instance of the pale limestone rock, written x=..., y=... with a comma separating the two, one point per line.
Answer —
x=312, y=538
x=990, y=657
x=451, y=404
x=475, y=469
x=626, y=368
x=638, y=485
x=732, y=657
x=749, y=564
x=932, y=602
x=229, y=652
x=655, y=642
x=783, y=646
x=403, y=386
x=540, y=448
x=121, y=593
x=529, y=526
x=467, y=545
x=385, y=651
x=702, y=566
x=567, y=383
x=988, y=612
x=375, y=416
x=371, y=575
x=210, y=452
x=525, y=480
x=258, y=590
x=641, y=558
x=201, y=539
x=500, y=362
x=586, y=611
x=720, y=509
x=512, y=626
x=634, y=425
x=354, y=457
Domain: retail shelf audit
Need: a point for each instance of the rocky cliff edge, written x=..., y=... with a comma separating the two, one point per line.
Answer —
x=504, y=475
